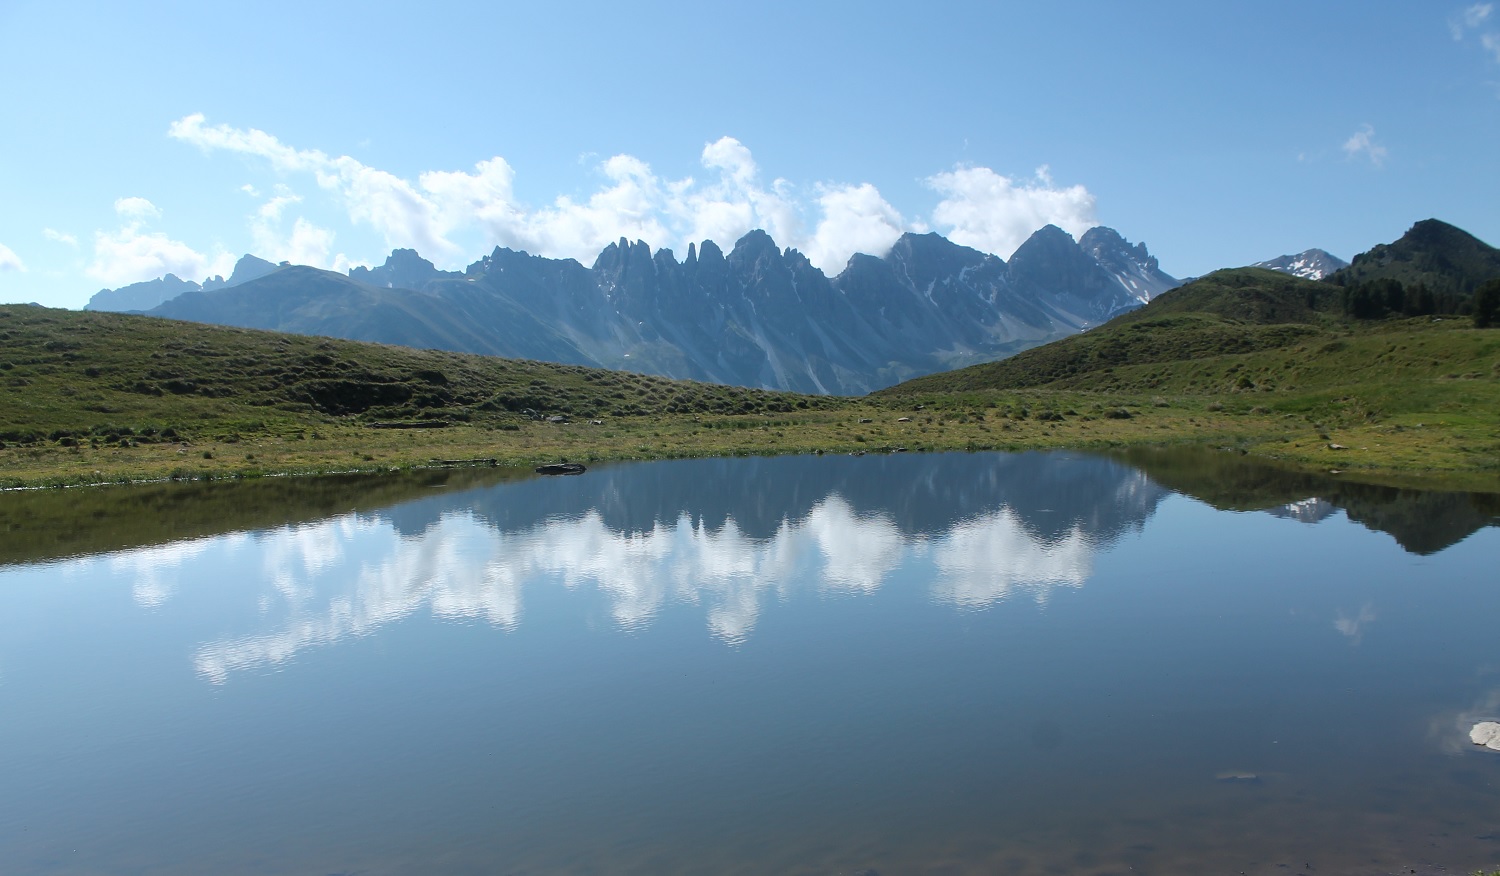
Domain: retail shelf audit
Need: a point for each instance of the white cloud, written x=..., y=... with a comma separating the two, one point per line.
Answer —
x=252, y=142
x=1491, y=43
x=136, y=208
x=9, y=261
x=992, y=213
x=304, y=244
x=1469, y=19
x=1473, y=18
x=1362, y=144
x=131, y=254
x=60, y=237
x=855, y=219
x=1353, y=626
x=984, y=209
x=736, y=202
x=628, y=207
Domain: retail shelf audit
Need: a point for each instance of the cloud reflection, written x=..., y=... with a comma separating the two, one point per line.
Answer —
x=1353, y=626
x=349, y=576
x=155, y=571
x=985, y=560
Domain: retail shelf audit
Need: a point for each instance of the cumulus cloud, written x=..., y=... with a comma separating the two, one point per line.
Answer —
x=303, y=243
x=136, y=208
x=992, y=213
x=9, y=261
x=60, y=237
x=1361, y=144
x=983, y=209
x=131, y=253
x=1469, y=18
x=855, y=219
x=1477, y=19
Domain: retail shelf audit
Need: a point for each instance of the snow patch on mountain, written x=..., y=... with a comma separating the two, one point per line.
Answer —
x=1312, y=264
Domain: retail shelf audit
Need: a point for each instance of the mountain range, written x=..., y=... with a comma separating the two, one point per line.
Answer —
x=757, y=316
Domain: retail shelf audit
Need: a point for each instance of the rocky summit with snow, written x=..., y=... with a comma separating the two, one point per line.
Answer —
x=757, y=316
x=1312, y=264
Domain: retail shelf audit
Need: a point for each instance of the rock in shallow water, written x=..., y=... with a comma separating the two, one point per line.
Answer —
x=1486, y=733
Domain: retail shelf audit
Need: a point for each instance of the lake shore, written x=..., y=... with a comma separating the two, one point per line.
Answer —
x=1447, y=454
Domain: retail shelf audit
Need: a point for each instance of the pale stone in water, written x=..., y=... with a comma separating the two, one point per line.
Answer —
x=1486, y=733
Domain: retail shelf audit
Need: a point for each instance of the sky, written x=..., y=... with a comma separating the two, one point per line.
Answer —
x=152, y=137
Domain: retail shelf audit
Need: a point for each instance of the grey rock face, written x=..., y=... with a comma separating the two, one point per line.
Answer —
x=403, y=269
x=758, y=316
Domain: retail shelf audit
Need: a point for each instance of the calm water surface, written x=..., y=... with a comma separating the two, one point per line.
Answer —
x=915, y=664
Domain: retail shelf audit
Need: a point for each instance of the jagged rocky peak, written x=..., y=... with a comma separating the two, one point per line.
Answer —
x=1312, y=264
x=151, y=293
x=624, y=258
x=1047, y=252
x=753, y=245
x=708, y=251
x=1106, y=246
x=934, y=246
x=403, y=269
x=927, y=258
x=248, y=268
x=497, y=261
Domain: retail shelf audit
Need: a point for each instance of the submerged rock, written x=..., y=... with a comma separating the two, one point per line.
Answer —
x=560, y=468
x=1486, y=733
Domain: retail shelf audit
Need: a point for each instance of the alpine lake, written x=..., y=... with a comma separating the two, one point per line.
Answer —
x=1044, y=663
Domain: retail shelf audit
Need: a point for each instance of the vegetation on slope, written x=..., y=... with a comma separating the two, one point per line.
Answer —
x=1414, y=394
x=103, y=377
x=1434, y=269
x=1432, y=254
x=1236, y=311
x=1251, y=359
x=100, y=397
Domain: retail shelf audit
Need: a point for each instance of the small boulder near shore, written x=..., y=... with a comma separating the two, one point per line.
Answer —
x=560, y=468
x=1486, y=733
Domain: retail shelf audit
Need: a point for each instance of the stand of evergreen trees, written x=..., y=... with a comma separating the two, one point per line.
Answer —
x=1377, y=299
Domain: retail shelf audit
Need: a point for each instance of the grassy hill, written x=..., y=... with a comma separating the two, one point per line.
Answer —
x=1249, y=359
x=1238, y=311
x=96, y=396
x=1434, y=254
x=1408, y=393
x=92, y=375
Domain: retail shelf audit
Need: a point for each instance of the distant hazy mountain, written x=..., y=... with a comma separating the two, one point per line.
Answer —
x=757, y=316
x=1312, y=264
x=146, y=295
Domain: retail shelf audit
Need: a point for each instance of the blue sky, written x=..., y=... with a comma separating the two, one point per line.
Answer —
x=151, y=137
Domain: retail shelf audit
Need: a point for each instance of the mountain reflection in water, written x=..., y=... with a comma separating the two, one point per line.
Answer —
x=986, y=528
x=730, y=536
x=1031, y=663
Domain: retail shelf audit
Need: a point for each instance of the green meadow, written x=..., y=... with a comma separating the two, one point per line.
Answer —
x=99, y=397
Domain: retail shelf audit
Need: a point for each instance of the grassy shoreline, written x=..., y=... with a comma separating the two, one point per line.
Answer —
x=107, y=398
x=1435, y=454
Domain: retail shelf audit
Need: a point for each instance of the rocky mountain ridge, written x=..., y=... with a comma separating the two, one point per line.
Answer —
x=149, y=294
x=756, y=316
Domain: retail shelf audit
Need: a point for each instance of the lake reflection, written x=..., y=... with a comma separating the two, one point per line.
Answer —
x=977, y=528
x=960, y=663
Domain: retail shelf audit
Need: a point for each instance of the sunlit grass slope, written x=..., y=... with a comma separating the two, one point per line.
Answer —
x=1414, y=394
